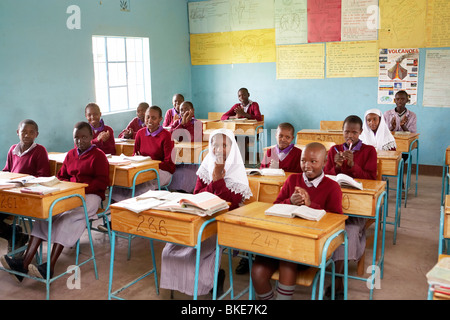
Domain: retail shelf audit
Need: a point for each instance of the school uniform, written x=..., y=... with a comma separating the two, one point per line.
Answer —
x=365, y=167
x=90, y=167
x=324, y=192
x=108, y=146
x=169, y=116
x=136, y=124
x=33, y=161
x=411, y=125
x=157, y=145
x=382, y=139
x=178, y=262
x=364, y=158
x=287, y=159
x=252, y=108
x=184, y=177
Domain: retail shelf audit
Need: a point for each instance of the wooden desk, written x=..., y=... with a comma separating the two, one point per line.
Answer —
x=125, y=146
x=189, y=152
x=44, y=207
x=404, y=139
x=119, y=175
x=180, y=228
x=239, y=127
x=362, y=202
x=205, y=121
x=36, y=206
x=388, y=163
x=296, y=239
x=437, y=295
x=265, y=188
x=335, y=136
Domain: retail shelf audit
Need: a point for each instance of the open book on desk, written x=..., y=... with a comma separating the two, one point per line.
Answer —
x=265, y=172
x=346, y=181
x=202, y=204
x=162, y=195
x=291, y=211
x=38, y=189
x=27, y=181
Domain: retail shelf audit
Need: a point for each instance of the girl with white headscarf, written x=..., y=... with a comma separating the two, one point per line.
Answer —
x=376, y=132
x=222, y=172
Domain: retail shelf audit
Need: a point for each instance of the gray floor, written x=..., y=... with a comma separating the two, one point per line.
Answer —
x=406, y=263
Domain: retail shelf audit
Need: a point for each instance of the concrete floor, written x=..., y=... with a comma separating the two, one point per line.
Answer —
x=406, y=263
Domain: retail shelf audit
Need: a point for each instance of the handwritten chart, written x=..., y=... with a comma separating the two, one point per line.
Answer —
x=324, y=20
x=291, y=22
x=305, y=61
x=438, y=23
x=436, y=91
x=359, y=20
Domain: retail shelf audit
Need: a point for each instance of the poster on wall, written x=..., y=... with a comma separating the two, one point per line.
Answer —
x=436, y=86
x=398, y=70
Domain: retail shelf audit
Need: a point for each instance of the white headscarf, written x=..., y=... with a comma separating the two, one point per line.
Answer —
x=383, y=139
x=235, y=176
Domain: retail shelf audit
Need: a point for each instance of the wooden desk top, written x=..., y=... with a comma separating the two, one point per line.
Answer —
x=275, y=180
x=124, y=141
x=391, y=155
x=253, y=215
x=176, y=227
x=362, y=202
x=447, y=204
x=37, y=206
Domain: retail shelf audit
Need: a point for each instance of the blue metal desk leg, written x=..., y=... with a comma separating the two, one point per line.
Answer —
x=111, y=264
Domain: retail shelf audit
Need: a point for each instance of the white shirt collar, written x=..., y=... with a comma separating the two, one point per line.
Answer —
x=313, y=183
x=18, y=152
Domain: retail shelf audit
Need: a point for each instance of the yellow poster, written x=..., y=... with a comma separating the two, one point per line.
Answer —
x=253, y=46
x=211, y=48
x=305, y=61
x=352, y=59
x=402, y=23
x=438, y=23
x=249, y=46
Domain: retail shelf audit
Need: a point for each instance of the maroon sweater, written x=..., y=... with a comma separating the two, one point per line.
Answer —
x=91, y=168
x=194, y=129
x=327, y=195
x=253, y=111
x=158, y=147
x=34, y=163
x=365, y=163
x=289, y=164
x=220, y=189
x=109, y=146
x=134, y=124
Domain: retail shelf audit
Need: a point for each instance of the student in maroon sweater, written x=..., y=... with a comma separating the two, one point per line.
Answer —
x=103, y=136
x=186, y=129
x=153, y=141
x=26, y=157
x=244, y=109
x=310, y=188
x=284, y=155
x=359, y=161
x=84, y=164
x=173, y=114
x=136, y=124
x=353, y=157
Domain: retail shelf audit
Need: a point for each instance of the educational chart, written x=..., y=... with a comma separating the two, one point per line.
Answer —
x=399, y=69
x=438, y=23
x=251, y=14
x=290, y=22
x=248, y=46
x=402, y=23
x=436, y=88
x=324, y=20
x=301, y=61
x=352, y=59
x=359, y=20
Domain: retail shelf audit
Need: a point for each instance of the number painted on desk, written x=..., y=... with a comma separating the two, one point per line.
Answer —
x=345, y=202
x=152, y=226
x=264, y=240
x=8, y=202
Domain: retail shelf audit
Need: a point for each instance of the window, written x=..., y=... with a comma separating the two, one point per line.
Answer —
x=122, y=72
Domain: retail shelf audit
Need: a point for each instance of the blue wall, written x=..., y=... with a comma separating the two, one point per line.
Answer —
x=46, y=70
x=305, y=103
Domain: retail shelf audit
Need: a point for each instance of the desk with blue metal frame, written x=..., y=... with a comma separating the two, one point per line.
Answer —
x=444, y=226
x=298, y=240
x=172, y=227
x=43, y=207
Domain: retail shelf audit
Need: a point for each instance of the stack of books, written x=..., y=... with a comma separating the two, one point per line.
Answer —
x=439, y=278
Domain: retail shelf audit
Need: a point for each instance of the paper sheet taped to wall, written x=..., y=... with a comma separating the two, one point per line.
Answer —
x=352, y=59
x=305, y=61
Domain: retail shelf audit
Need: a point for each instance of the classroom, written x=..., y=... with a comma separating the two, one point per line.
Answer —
x=49, y=73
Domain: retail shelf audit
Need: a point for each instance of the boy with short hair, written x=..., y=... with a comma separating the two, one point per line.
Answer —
x=400, y=118
x=246, y=108
x=310, y=188
x=284, y=155
x=136, y=124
